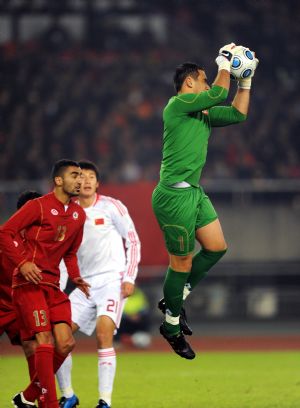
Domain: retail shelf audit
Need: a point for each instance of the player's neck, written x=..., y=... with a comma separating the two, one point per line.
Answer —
x=87, y=201
x=62, y=196
x=186, y=90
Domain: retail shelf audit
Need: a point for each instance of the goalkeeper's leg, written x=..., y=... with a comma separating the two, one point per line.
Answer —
x=175, y=280
x=213, y=244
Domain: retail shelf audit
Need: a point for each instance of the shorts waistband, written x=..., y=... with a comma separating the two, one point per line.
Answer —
x=181, y=184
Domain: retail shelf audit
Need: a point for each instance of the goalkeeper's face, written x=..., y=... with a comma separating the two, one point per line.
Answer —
x=200, y=83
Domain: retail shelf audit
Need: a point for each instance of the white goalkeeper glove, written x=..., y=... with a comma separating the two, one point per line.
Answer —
x=246, y=83
x=224, y=58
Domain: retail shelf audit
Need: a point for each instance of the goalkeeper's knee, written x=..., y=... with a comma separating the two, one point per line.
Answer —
x=213, y=256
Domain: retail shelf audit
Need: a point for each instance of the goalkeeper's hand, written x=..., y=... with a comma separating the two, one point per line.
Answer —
x=246, y=83
x=224, y=58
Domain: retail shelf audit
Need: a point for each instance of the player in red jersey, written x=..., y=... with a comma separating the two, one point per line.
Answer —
x=53, y=227
x=8, y=318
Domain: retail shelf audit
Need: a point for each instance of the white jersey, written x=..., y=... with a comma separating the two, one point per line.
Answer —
x=101, y=256
x=63, y=275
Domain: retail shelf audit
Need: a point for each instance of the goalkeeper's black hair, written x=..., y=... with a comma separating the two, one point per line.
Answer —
x=184, y=70
x=26, y=196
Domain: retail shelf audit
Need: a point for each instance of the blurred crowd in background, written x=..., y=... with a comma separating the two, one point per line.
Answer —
x=101, y=97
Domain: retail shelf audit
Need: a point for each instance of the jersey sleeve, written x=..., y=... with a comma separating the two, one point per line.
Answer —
x=70, y=258
x=225, y=115
x=126, y=229
x=188, y=103
x=27, y=215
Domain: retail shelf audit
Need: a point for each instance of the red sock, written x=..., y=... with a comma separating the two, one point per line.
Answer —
x=32, y=371
x=58, y=359
x=45, y=372
x=33, y=391
x=45, y=376
x=31, y=366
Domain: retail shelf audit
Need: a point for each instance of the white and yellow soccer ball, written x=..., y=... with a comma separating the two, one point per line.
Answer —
x=243, y=63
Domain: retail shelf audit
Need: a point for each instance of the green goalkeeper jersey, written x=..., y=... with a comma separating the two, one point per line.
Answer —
x=188, y=119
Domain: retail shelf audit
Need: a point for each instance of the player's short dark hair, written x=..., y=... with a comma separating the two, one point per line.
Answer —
x=60, y=166
x=88, y=165
x=26, y=196
x=184, y=70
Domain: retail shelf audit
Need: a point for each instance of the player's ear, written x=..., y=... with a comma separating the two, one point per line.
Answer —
x=189, y=81
x=58, y=181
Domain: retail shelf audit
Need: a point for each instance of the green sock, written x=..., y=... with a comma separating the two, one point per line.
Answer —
x=202, y=262
x=173, y=290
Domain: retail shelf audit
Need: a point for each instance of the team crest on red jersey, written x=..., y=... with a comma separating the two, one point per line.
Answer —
x=54, y=211
x=75, y=215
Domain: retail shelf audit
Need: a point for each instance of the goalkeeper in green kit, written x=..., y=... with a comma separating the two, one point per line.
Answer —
x=183, y=210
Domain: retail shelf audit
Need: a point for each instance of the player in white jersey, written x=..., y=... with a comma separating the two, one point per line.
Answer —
x=111, y=271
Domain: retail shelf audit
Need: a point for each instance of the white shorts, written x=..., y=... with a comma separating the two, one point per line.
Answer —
x=103, y=301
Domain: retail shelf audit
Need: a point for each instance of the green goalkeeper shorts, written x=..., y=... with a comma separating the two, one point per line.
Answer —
x=180, y=212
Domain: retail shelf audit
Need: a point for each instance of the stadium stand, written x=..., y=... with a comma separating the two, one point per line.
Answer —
x=101, y=96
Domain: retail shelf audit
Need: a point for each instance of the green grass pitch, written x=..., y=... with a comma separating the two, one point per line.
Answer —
x=164, y=380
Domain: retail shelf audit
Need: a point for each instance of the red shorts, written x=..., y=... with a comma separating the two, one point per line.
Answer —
x=39, y=307
x=9, y=324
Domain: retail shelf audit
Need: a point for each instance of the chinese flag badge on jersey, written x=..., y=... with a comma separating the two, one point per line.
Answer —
x=99, y=221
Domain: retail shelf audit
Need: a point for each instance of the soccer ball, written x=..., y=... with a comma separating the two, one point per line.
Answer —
x=243, y=63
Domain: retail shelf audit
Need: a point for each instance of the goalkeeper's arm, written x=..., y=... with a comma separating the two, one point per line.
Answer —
x=247, y=82
x=242, y=97
x=241, y=100
x=223, y=61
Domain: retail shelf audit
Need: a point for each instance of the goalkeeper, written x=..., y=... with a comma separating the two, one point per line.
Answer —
x=183, y=210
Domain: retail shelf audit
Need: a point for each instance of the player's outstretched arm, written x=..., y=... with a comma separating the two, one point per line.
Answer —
x=223, y=61
x=125, y=227
x=242, y=98
x=245, y=83
x=70, y=259
x=194, y=102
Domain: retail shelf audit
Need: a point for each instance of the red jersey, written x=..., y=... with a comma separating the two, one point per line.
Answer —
x=52, y=232
x=5, y=282
x=6, y=275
